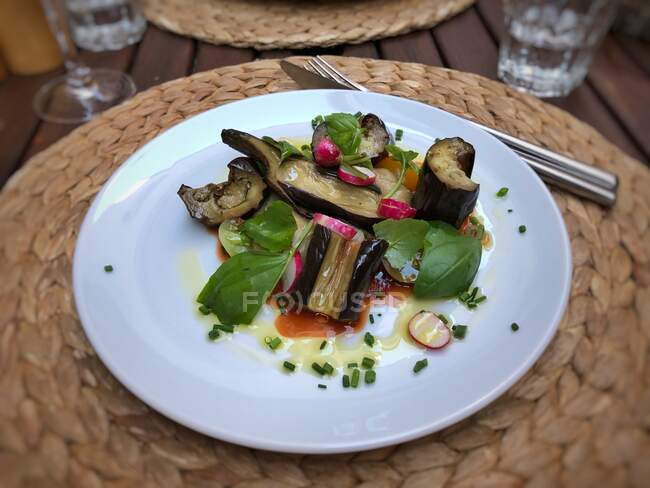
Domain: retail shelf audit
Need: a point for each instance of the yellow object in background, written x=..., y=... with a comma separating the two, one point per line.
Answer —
x=28, y=46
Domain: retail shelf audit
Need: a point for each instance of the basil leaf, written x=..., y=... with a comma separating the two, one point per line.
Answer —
x=273, y=229
x=449, y=263
x=239, y=287
x=233, y=240
x=345, y=131
x=405, y=238
x=285, y=148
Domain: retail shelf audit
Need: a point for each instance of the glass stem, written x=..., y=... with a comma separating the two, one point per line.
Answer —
x=77, y=72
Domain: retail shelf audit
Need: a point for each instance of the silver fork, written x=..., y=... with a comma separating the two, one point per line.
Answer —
x=557, y=169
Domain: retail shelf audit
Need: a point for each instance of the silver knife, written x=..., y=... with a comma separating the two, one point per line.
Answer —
x=550, y=174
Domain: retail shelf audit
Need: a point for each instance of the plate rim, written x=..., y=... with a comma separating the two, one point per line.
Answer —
x=434, y=425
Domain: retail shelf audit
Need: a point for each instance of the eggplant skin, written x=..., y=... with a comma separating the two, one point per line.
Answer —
x=316, y=250
x=375, y=138
x=445, y=191
x=365, y=268
x=213, y=203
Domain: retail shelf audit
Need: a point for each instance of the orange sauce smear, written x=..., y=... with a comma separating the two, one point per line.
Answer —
x=309, y=324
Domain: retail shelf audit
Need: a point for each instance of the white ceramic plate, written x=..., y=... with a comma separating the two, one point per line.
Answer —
x=142, y=320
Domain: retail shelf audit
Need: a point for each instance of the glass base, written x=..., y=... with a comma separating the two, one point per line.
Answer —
x=70, y=100
x=538, y=82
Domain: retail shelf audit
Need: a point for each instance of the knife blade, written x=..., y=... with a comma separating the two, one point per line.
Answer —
x=307, y=79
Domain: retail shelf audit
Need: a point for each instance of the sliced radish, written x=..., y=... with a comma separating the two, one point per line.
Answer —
x=368, y=178
x=292, y=273
x=429, y=331
x=394, y=209
x=346, y=231
x=326, y=153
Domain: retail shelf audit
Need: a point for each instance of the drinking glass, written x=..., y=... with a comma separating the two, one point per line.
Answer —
x=82, y=92
x=103, y=25
x=549, y=44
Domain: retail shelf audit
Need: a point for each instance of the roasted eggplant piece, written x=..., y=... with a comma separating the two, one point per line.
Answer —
x=445, y=191
x=337, y=274
x=300, y=183
x=374, y=139
x=214, y=203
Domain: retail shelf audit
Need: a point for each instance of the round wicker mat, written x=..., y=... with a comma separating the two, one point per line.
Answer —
x=273, y=24
x=580, y=417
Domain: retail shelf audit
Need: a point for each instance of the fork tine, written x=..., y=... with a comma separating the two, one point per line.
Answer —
x=332, y=73
x=313, y=65
x=340, y=74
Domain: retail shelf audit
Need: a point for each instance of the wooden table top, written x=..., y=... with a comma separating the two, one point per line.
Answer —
x=615, y=98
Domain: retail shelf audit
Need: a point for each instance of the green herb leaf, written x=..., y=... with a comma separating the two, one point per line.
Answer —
x=237, y=289
x=449, y=263
x=405, y=238
x=273, y=229
x=286, y=149
x=316, y=121
x=345, y=131
x=232, y=238
x=406, y=159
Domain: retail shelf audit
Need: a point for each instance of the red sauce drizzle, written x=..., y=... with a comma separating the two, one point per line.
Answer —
x=309, y=324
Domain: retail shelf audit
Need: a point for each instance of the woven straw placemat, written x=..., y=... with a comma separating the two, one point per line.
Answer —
x=273, y=24
x=580, y=417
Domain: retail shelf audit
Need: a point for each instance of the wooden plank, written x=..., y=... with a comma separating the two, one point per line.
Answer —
x=465, y=44
x=364, y=50
x=209, y=56
x=415, y=47
x=624, y=87
x=638, y=50
x=48, y=133
x=18, y=121
x=161, y=56
x=582, y=103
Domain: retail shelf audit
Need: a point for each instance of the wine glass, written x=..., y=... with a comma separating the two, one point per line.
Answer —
x=82, y=92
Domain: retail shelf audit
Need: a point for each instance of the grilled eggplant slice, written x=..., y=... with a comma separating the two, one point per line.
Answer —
x=314, y=256
x=214, y=203
x=365, y=268
x=374, y=139
x=445, y=191
x=300, y=183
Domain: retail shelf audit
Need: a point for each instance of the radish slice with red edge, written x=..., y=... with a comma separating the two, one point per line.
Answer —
x=394, y=209
x=292, y=273
x=326, y=153
x=335, y=225
x=428, y=330
x=366, y=180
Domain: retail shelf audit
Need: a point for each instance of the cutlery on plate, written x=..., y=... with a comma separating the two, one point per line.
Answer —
x=564, y=172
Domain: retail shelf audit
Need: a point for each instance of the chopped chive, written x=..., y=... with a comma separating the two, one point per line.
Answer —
x=371, y=318
x=289, y=366
x=214, y=333
x=352, y=365
x=328, y=368
x=322, y=345
x=509, y=210
x=355, y=378
x=367, y=362
x=317, y=367
x=502, y=192
x=472, y=295
x=275, y=343
x=471, y=305
x=463, y=297
x=358, y=115
x=444, y=319
x=474, y=220
x=225, y=327
x=514, y=326
x=370, y=376
x=459, y=331
x=522, y=229
x=204, y=310
x=108, y=268
x=420, y=365
x=399, y=133
x=267, y=340
x=369, y=339
x=346, y=381
x=480, y=299
x=379, y=314
x=322, y=386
